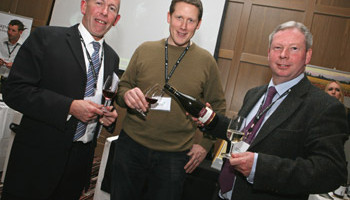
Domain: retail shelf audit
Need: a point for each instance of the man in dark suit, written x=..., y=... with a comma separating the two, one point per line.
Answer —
x=48, y=82
x=299, y=148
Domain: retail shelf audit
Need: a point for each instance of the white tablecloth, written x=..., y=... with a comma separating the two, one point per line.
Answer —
x=7, y=116
x=319, y=197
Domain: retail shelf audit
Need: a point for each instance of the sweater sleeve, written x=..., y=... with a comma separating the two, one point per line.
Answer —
x=213, y=93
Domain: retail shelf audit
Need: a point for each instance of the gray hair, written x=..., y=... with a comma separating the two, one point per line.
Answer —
x=293, y=24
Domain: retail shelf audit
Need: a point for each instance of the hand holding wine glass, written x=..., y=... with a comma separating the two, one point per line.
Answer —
x=234, y=134
x=152, y=96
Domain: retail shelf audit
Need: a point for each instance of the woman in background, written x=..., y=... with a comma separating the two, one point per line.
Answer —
x=334, y=89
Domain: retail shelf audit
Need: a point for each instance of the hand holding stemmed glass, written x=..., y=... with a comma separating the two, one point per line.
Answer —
x=234, y=134
x=152, y=96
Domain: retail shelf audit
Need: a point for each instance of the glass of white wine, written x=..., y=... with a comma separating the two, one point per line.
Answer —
x=234, y=133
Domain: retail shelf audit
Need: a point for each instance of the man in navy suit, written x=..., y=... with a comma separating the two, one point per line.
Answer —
x=47, y=84
x=299, y=148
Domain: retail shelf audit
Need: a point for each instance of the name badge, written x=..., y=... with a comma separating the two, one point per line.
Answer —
x=163, y=104
x=240, y=147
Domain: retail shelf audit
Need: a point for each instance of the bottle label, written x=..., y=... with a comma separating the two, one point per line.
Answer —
x=206, y=115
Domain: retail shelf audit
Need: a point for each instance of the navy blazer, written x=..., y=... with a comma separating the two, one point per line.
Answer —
x=49, y=72
x=300, y=146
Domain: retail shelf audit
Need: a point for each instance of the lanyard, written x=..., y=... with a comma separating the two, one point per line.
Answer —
x=260, y=113
x=167, y=77
x=8, y=48
x=92, y=68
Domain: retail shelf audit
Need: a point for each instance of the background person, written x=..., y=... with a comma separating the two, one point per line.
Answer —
x=152, y=155
x=299, y=147
x=334, y=89
x=9, y=47
x=50, y=84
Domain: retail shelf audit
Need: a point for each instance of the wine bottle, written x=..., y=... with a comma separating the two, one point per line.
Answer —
x=195, y=108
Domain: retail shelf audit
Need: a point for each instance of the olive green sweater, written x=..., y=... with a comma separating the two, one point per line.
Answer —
x=197, y=75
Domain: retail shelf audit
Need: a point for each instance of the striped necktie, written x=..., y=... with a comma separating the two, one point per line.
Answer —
x=90, y=86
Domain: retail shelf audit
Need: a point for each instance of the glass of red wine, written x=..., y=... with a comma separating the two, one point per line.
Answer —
x=110, y=87
x=152, y=96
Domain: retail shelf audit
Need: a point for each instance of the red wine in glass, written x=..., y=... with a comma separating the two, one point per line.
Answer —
x=151, y=100
x=108, y=94
x=109, y=89
x=152, y=96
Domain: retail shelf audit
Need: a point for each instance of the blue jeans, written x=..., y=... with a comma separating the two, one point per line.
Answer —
x=140, y=173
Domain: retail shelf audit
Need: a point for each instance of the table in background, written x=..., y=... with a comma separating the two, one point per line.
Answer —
x=99, y=194
x=7, y=116
x=319, y=197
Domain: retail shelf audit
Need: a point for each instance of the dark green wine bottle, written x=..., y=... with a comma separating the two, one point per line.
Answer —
x=195, y=108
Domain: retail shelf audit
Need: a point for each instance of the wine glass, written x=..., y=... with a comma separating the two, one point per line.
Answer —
x=110, y=87
x=234, y=134
x=109, y=91
x=152, y=96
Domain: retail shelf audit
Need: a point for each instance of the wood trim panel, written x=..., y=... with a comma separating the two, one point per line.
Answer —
x=14, y=5
x=331, y=10
x=291, y=4
x=226, y=53
x=38, y=22
x=237, y=1
x=234, y=69
x=309, y=13
x=254, y=59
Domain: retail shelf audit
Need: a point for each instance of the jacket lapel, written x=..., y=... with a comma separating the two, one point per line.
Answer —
x=108, y=62
x=289, y=105
x=75, y=45
x=251, y=100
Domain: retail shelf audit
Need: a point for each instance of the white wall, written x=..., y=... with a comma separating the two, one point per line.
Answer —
x=143, y=20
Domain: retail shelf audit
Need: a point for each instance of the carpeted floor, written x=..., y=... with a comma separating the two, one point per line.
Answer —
x=94, y=175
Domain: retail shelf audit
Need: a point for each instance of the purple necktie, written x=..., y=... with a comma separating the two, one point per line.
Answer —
x=227, y=175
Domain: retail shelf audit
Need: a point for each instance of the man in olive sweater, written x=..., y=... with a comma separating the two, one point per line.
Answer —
x=158, y=150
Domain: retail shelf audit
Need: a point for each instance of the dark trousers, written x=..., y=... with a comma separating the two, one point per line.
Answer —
x=73, y=179
x=141, y=173
x=2, y=81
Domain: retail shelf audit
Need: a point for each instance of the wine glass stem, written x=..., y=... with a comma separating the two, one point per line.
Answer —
x=107, y=102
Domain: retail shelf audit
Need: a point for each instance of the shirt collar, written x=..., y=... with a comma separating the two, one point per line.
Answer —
x=283, y=87
x=87, y=36
x=6, y=41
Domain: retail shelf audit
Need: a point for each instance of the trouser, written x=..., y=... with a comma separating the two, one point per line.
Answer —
x=142, y=173
x=2, y=80
x=73, y=180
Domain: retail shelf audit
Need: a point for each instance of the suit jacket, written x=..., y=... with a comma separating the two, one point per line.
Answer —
x=300, y=146
x=49, y=72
